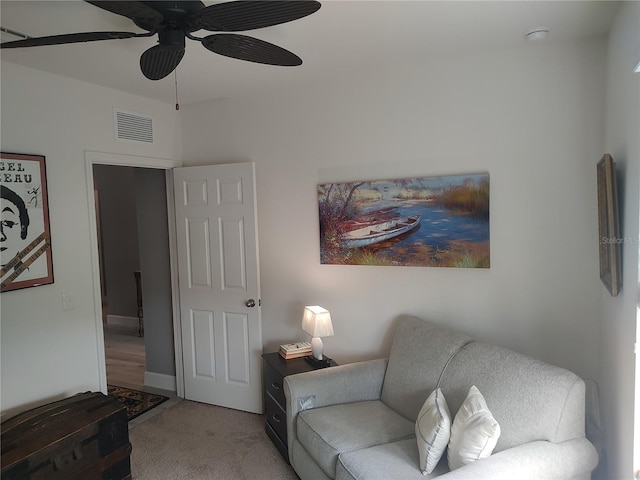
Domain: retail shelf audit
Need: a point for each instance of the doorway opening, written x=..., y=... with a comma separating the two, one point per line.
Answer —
x=135, y=275
x=167, y=382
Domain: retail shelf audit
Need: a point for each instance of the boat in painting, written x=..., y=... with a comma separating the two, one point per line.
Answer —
x=377, y=232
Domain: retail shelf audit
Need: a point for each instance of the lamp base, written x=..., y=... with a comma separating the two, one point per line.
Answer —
x=325, y=362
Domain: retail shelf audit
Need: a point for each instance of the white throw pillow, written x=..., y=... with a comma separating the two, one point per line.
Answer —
x=432, y=430
x=474, y=433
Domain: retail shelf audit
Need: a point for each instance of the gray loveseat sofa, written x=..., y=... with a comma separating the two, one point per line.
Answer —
x=357, y=421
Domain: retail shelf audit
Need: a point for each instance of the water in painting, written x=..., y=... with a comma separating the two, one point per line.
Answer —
x=424, y=221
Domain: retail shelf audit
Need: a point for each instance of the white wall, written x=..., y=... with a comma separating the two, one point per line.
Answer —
x=618, y=330
x=532, y=118
x=48, y=353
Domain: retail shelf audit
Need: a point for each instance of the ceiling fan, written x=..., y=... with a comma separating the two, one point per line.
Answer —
x=174, y=21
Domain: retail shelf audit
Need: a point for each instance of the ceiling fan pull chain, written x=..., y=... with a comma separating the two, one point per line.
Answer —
x=175, y=73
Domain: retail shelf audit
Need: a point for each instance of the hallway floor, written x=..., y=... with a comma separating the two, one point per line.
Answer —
x=125, y=356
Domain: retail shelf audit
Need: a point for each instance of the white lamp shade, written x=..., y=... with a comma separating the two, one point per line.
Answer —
x=317, y=321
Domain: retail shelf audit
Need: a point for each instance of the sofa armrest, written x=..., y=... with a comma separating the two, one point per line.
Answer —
x=573, y=459
x=354, y=382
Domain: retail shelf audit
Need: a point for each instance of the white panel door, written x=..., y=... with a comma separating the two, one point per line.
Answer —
x=219, y=284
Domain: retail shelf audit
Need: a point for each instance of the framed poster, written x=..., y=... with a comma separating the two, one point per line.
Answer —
x=608, y=227
x=25, y=239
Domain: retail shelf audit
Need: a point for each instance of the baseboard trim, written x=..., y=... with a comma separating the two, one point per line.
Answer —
x=160, y=380
x=122, y=320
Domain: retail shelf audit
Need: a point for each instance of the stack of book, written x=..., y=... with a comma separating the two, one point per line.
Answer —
x=295, y=350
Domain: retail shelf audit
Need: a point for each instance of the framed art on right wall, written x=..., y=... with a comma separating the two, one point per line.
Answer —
x=608, y=226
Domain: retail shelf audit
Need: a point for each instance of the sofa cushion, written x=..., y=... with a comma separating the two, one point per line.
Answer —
x=419, y=353
x=392, y=461
x=530, y=399
x=328, y=431
x=474, y=432
x=432, y=430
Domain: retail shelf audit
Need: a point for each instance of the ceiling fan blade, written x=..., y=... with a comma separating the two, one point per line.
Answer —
x=248, y=15
x=160, y=60
x=250, y=49
x=136, y=11
x=69, y=38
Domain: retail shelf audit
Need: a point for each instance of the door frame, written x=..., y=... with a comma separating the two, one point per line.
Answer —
x=102, y=158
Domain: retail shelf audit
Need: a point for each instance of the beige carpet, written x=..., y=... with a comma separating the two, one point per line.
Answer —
x=194, y=441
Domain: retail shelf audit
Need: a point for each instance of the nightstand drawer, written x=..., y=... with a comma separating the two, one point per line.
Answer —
x=276, y=369
x=273, y=384
x=277, y=441
x=276, y=418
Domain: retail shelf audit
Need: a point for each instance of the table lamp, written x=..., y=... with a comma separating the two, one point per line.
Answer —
x=317, y=323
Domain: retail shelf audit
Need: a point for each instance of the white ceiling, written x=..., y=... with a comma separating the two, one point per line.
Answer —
x=342, y=35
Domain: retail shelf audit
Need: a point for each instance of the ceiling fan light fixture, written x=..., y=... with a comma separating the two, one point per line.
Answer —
x=171, y=37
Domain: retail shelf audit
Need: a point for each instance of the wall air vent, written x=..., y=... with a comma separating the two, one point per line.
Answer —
x=133, y=127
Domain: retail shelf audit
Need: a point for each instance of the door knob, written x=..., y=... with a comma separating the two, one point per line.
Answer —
x=250, y=303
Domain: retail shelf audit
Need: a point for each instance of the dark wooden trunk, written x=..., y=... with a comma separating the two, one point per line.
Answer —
x=82, y=437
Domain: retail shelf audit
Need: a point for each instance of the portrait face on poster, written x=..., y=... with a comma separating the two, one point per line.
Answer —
x=25, y=239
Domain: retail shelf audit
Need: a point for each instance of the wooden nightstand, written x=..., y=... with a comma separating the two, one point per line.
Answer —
x=275, y=369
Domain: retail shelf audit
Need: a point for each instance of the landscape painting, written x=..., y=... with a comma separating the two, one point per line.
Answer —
x=420, y=222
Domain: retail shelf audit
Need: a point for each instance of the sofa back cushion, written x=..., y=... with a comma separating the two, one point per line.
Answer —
x=419, y=352
x=531, y=400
